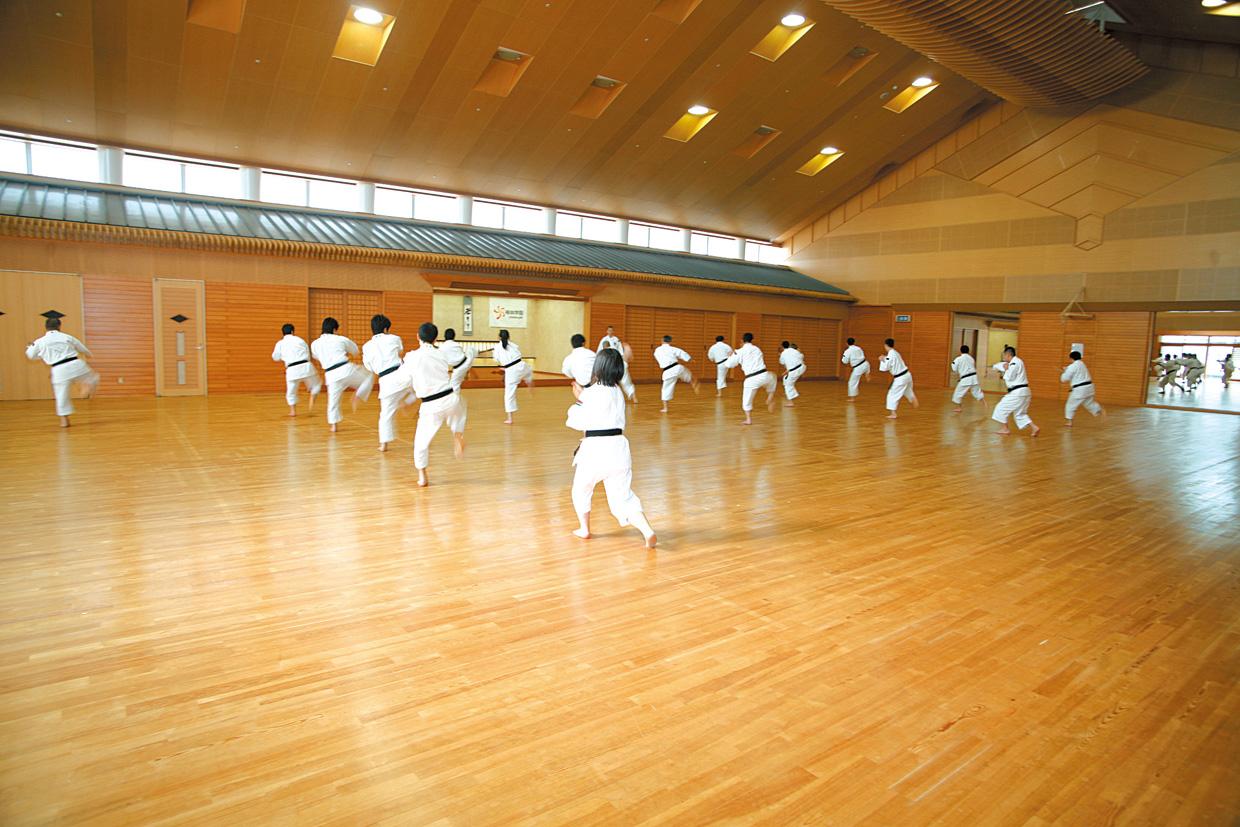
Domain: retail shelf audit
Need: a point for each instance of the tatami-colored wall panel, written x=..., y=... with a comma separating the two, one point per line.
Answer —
x=243, y=326
x=121, y=334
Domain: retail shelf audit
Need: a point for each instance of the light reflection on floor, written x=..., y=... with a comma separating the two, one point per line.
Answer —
x=1210, y=395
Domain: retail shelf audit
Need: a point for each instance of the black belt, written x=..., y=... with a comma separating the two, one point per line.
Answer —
x=1015, y=388
x=967, y=375
x=1081, y=385
x=672, y=365
x=464, y=359
x=337, y=365
x=606, y=432
x=435, y=396
x=65, y=361
x=510, y=364
x=898, y=375
x=859, y=364
x=295, y=364
x=721, y=361
x=392, y=369
x=798, y=367
x=755, y=373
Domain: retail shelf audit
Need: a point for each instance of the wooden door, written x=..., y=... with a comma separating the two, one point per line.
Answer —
x=180, y=338
x=26, y=300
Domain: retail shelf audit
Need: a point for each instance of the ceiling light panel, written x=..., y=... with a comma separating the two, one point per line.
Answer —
x=363, y=34
x=824, y=158
x=783, y=37
x=691, y=123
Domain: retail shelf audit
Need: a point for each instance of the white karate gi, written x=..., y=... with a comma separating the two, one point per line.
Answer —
x=901, y=379
x=1169, y=371
x=295, y=354
x=966, y=369
x=855, y=358
x=1082, y=392
x=1229, y=367
x=54, y=348
x=1194, y=369
x=609, y=341
x=382, y=357
x=794, y=361
x=460, y=360
x=428, y=373
x=516, y=372
x=753, y=364
x=339, y=373
x=1016, y=401
x=604, y=459
x=719, y=353
x=579, y=366
x=626, y=381
x=669, y=358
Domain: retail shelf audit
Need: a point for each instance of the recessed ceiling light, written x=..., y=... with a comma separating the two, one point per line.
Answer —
x=922, y=82
x=1213, y=4
x=368, y=16
x=698, y=109
x=828, y=150
x=793, y=20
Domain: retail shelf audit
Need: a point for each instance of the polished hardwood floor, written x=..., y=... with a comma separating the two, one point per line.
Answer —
x=213, y=614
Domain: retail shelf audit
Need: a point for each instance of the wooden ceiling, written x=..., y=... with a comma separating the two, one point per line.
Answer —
x=135, y=73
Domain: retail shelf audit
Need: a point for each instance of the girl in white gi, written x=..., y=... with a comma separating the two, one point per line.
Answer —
x=428, y=373
x=1082, y=392
x=610, y=340
x=382, y=357
x=752, y=363
x=295, y=354
x=901, y=379
x=719, y=353
x=854, y=357
x=459, y=359
x=60, y=352
x=332, y=352
x=1016, y=401
x=669, y=358
x=966, y=382
x=579, y=363
x=508, y=357
x=603, y=455
x=794, y=361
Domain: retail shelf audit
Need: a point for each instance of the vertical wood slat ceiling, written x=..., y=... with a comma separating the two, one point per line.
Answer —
x=1026, y=51
x=135, y=73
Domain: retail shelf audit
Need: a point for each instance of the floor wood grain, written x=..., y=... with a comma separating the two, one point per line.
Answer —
x=212, y=613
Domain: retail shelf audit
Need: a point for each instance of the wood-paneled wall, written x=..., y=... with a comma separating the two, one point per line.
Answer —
x=927, y=351
x=602, y=316
x=120, y=334
x=818, y=339
x=243, y=325
x=407, y=310
x=1117, y=348
x=869, y=326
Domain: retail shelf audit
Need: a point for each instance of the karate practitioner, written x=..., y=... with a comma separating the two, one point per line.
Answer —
x=670, y=358
x=1082, y=392
x=516, y=370
x=339, y=373
x=1016, y=401
x=719, y=353
x=1194, y=369
x=966, y=383
x=1229, y=367
x=428, y=374
x=794, y=362
x=610, y=340
x=459, y=359
x=603, y=455
x=295, y=354
x=901, y=379
x=60, y=352
x=854, y=357
x=753, y=364
x=579, y=364
x=382, y=357
x=1170, y=368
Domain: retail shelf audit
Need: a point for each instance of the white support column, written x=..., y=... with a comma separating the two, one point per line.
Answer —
x=251, y=183
x=686, y=243
x=739, y=252
x=111, y=165
x=366, y=197
x=624, y=230
x=465, y=209
x=549, y=214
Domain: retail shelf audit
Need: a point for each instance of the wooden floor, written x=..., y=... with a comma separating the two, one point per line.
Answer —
x=215, y=614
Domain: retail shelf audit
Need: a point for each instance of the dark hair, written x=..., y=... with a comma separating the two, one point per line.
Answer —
x=852, y=341
x=718, y=338
x=611, y=327
x=330, y=325
x=1074, y=355
x=889, y=342
x=748, y=337
x=608, y=367
x=427, y=332
x=667, y=338
x=379, y=323
x=1006, y=348
x=578, y=340
x=449, y=334
x=51, y=323
x=794, y=346
x=287, y=329
x=964, y=348
x=503, y=337
x=784, y=344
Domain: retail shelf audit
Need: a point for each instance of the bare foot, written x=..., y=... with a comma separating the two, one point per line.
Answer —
x=652, y=540
x=508, y=421
x=583, y=533
x=747, y=422
x=292, y=412
x=663, y=410
x=1067, y=423
x=333, y=427
x=916, y=404
x=1103, y=413
x=957, y=410
x=64, y=422
x=423, y=479
x=382, y=447
x=696, y=385
x=1036, y=429
x=313, y=397
x=1004, y=432
x=458, y=445
x=852, y=399
x=770, y=403
x=891, y=416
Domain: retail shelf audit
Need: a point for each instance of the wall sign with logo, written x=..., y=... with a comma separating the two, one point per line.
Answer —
x=903, y=318
x=508, y=312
